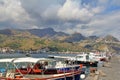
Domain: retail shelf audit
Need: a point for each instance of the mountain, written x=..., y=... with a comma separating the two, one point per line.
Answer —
x=6, y=32
x=52, y=34
x=47, y=32
x=110, y=38
x=93, y=37
x=76, y=37
x=49, y=38
x=43, y=32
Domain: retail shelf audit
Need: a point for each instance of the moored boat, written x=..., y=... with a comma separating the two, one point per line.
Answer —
x=83, y=58
x=39, y=69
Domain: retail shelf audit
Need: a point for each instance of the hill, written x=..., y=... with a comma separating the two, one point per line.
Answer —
x=76, y=37
x=110, y=38
x=48, y=32
x=35, y=39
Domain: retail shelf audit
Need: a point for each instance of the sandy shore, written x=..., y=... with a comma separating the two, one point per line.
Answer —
x=111, y=71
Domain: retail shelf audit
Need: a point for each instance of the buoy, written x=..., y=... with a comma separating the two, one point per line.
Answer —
x=82, y=76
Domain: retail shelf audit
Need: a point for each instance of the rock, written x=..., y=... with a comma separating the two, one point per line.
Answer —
x=96, y=77
x=92, y=74
x=97, y=72
x=107, y=65
x=102, y=73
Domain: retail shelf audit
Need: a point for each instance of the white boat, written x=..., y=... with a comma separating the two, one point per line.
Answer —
x=29, y=68
x=84, y=58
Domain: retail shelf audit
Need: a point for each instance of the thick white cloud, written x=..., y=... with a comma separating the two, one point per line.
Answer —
x=51, y=12
x=101, y=25
x=12, y=10
x=89, y=17
x=72, y=10
x=106, y=24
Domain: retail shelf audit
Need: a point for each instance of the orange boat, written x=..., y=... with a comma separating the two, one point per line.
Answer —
x=40, y=69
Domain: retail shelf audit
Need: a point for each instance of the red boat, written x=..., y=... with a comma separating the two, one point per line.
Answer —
x=40, y=69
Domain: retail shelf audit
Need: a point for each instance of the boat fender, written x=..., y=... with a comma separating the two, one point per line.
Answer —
x=81, y=66
x=82, y=76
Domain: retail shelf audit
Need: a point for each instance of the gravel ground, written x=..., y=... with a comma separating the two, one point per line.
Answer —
x=111, y=71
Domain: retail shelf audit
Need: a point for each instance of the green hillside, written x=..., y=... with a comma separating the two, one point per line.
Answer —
x=24, y=40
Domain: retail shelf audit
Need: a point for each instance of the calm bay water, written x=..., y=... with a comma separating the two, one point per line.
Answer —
x=39, y=55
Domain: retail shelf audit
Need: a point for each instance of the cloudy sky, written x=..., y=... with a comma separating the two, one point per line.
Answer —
x=89, y=17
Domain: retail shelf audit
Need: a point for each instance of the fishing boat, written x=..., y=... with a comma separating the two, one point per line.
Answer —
x=101, y=56
x=83, y=58
x=87, y=59
x=29, y=68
